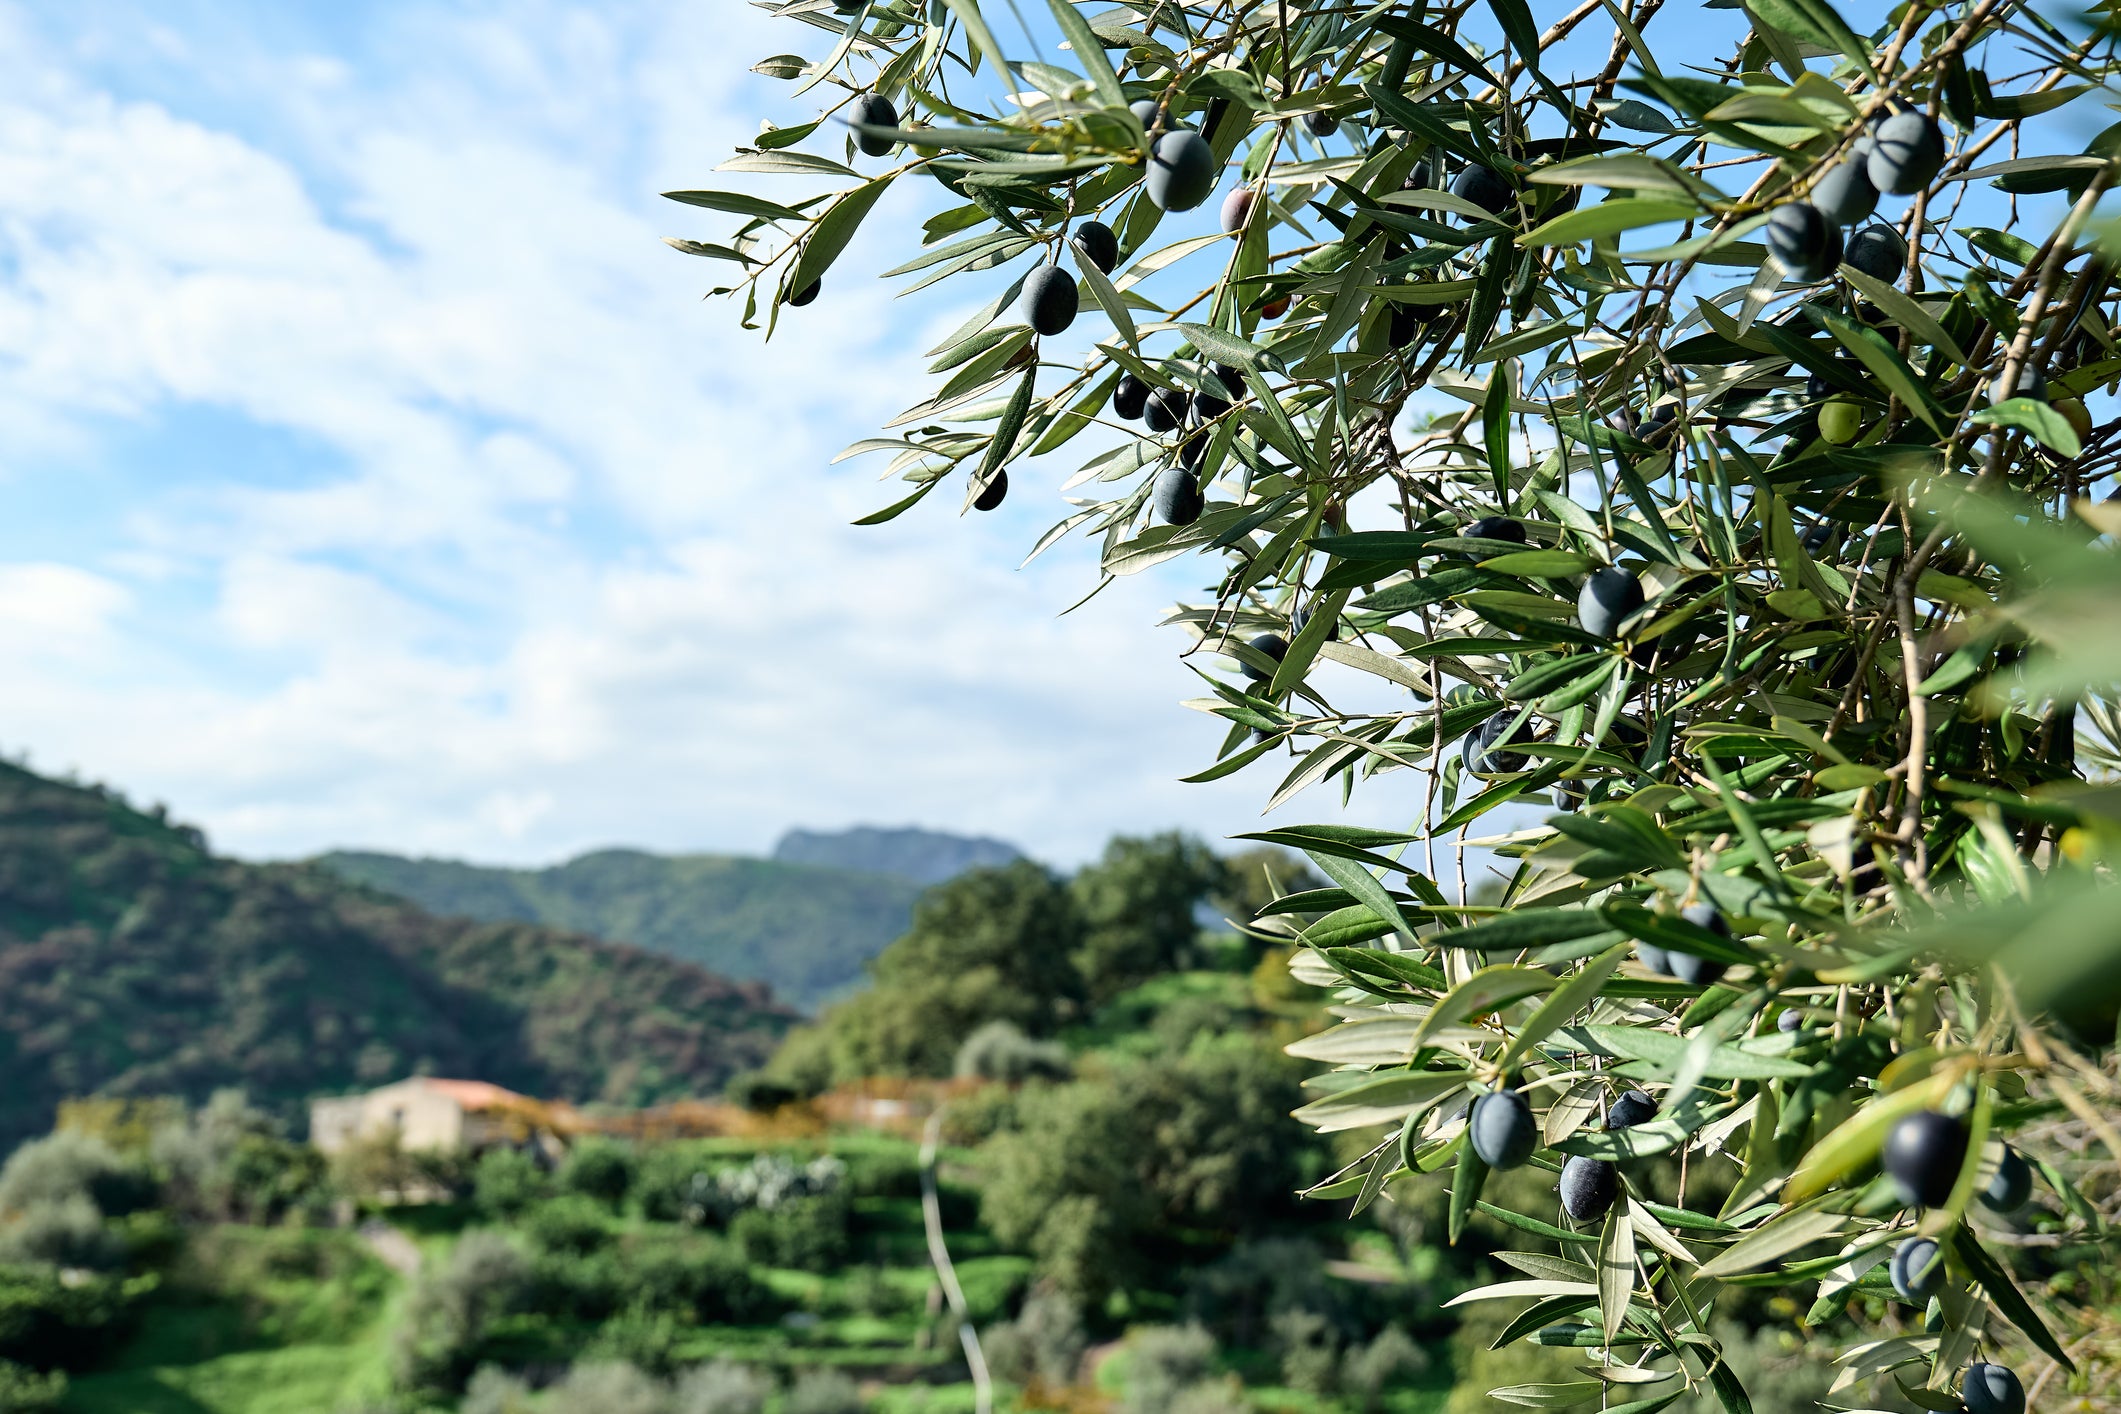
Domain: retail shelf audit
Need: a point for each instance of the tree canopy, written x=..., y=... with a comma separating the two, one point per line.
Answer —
x=1677, y=418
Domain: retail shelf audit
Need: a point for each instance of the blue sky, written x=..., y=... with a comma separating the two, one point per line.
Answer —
x=376, y=477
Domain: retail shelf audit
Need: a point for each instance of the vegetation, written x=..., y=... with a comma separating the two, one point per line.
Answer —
x=135, y=962
x=1763, y=554
x=803, y=929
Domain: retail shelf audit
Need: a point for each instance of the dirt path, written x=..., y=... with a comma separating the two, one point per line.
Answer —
x=392, y=1246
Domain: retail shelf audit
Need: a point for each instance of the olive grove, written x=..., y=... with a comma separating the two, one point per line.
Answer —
x=1690, y=417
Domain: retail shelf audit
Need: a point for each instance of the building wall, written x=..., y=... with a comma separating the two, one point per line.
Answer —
x=421, y=1118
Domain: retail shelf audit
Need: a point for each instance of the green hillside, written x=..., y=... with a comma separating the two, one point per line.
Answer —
x=803, y=929
x=134, y=961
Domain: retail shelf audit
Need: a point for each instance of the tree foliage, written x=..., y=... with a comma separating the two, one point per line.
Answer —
x=1764, y=556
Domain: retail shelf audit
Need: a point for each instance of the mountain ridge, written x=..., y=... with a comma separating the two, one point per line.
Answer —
x=804, y=927
x=134, y=961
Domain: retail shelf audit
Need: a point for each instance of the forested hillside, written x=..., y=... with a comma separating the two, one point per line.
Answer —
x=134, y=961
x=803, y=929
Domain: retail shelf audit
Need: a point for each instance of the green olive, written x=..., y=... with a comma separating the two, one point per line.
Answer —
x=1840, y=419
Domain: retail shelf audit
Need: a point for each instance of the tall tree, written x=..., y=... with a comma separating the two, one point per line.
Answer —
x=1683, y=410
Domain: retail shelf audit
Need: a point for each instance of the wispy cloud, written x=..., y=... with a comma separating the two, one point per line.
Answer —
x=378, y=478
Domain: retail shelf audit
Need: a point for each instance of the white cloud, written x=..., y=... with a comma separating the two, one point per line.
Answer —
x=555, y=560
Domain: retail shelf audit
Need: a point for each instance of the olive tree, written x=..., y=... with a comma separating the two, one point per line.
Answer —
x=1679, y=414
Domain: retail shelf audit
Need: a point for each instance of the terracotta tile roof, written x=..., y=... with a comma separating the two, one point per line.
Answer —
x=475, y=1094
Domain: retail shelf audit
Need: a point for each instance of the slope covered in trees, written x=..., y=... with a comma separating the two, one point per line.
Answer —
x=135, y=961
x=803, y=929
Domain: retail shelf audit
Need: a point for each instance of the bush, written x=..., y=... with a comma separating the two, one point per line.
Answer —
x=1045, y=1341
x=65, y=1166
x=806, y=1233
x=823, y=1392
x=883, y=1173
x=507, y=1182
x=229, y=1160
x=572, y=1222
x=494, y=1391
x=1310, y=1351
x=638, y=1338
x=673, y=1184
x=1367, y=1371
x=601, y=1169
x=605, y=1386
x=24, y=1391
x=706, y=1280
x=723, y=1387
x=1163, y=1360
x=759, y=1092
x=1001, y=1051
x=47, y=1319
x=452, y=1306
x=65, y=1232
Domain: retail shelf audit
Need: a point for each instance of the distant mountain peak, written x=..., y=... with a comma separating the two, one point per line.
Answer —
x=923, y=856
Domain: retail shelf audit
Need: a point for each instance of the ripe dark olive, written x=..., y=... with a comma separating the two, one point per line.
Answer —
x=998, y=488
x=1588, y=1188
x=1176, y=496
x=1404, y=326
x=1878, y=252
x=1844, y=195
x=1322, y=124
x=1274, y=308
x=807, y=293
x=1207, y=407
x=1923, y=1154
x=1193, y=449
x=1485, y=188
x=1908, y=150
x=1274, y=646
x=1482, y=752
x=1991, y=1389
x=1629, y=1110
x=1231, y=378
x=1654, y=958
x=2012, y=1186
x=1804, y=243
x=1608, y=596
x=1181, y=171
x=1129, y=396
x=1496, y=528
x=1099, y=244
x=1301, y=617
x=1819, y=537
x=1166, y=409
x=872, y=110
x=1050, y=300
x=1790, y=1021
x=1237, y=208
x=2032, y=383
x=1421, y=178
x=1146, y=110
x=1916, y=1270
x=1502, y=1130
x=1700, y=971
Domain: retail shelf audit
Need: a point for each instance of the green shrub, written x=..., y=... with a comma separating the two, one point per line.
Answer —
x=1310, y=1351
x=1045, y=1340
x=494, y=1391
x=674, y=1183
x=883, y=1173
x=807, y=1233
x=26, y=1391
x=723, y=1387
x=572, y=1222
x=453, y=1305
x=48, y=1320
x=64, y=1167
x=601, y=1385
x=823, y=1392
x=1000, y=1050
x=1367, y=1371
x=598, y=1168
x=1162, y=1361
x=507, y=1182
x=65, y=1232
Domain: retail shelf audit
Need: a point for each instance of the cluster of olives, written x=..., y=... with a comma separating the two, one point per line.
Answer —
x=1676, y=962
x=1900, y=156
x=1176, y=496
x=1503, y=1134
x=1050, y=299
